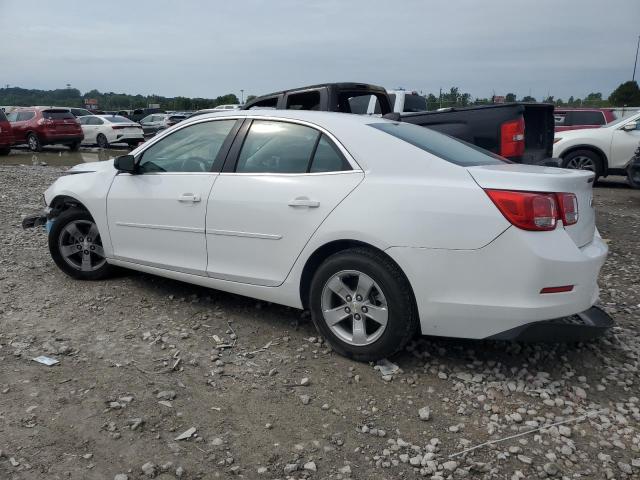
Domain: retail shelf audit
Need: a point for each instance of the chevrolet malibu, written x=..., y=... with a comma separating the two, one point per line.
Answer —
x=381, y=229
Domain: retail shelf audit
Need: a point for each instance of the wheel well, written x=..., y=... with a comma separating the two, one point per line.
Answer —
x=591, y=148
x=63, y=202
x=324, y=252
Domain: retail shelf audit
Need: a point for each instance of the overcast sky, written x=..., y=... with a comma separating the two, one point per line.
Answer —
x=209, y=48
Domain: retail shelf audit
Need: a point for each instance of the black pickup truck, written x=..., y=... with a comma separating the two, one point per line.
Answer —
x=521, y=132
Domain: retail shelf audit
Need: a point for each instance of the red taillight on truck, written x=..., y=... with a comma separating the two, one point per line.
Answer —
x=512, y=138
x=536, y=210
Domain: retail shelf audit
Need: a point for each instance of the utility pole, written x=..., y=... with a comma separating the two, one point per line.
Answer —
x=241, y=97
x=635, y=63
x=440, y=97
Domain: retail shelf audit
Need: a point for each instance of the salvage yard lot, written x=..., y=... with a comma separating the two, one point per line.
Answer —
x=144, y=359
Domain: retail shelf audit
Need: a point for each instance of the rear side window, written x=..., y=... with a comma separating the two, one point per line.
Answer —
x=24, y=116
x=440, y=145
x=266, y=104
x=586, y=118
x=327, y=158
x=57, y=115
x=304, y=101
x=414, y=103
x=277, y=147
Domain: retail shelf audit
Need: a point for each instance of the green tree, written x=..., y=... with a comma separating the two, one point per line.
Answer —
x=528, y=98
x=627, y=93
x=510, y=97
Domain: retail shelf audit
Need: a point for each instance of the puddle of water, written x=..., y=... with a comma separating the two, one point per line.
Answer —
x=60, y=156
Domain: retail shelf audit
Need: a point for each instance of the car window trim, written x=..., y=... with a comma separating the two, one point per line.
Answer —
x=217, y=162
x=234, y=153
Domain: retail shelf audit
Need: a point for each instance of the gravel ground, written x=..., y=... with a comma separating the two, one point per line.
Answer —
x=163, y=379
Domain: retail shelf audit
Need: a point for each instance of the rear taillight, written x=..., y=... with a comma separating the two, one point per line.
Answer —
x=118, y=127
x=568, y=204
x=527, y=210
x=45, y=121
x=512, y=138
x=536, y=210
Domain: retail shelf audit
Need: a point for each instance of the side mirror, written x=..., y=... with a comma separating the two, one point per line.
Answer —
x=125, y=163
x=630, y=126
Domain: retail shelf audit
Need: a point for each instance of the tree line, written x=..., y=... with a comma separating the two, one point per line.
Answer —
x=627, y=94
x=72, y=97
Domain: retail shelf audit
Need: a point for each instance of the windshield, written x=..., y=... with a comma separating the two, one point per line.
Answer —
x=621, y=121
x=441, y=145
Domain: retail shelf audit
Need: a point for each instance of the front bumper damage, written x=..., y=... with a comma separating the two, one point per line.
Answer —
x=580, y=327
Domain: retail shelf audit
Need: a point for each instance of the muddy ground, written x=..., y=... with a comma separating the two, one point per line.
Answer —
x=145, y=359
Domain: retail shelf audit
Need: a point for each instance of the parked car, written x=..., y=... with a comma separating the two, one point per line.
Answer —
x=575, y=118
x=521, y=132
x=103, y=130
x=152, y=124
x=140, y=113
x=605, y=151
x=6, y=134
x=380, y=228
x=40, y=126
x=81, y=112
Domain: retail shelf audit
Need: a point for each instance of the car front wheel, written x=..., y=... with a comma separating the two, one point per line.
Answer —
x=34, y=143
x=362, y=303
x=75, y=245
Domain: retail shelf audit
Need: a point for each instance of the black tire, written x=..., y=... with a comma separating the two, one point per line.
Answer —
x=34, y=143
x=584, y=160
x=5, y=151
x=402, y=321
x=633, y=175
x=74, y=147
x=57, y=237
x=102, y=141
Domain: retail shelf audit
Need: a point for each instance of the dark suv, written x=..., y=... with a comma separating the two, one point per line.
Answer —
x=6, y=134
x=38, y=126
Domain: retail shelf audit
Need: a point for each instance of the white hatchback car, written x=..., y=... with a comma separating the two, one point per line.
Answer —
x=103, y=130
x=379, y=228
x=607, y=150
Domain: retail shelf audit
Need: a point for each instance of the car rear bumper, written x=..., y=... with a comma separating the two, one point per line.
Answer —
x=50, y=137
x=482, y=293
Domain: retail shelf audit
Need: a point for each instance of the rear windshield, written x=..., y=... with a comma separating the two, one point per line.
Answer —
x=57, y=115
x=117, y=119
x=439, y=144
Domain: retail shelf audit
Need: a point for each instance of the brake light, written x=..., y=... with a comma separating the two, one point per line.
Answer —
x=512, y=138
x=568, y=204
x=527, y=210
x=118, y=127
x=562, y=289
x=45, y=121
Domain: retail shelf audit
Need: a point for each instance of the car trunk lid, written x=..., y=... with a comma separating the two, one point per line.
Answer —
x=531, y=178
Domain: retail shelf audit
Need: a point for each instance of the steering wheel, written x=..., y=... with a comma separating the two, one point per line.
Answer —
x=195, y=164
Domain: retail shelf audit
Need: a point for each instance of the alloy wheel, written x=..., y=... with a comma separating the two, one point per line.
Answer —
x=582, y=162
x=354, y=307
x=80, y=246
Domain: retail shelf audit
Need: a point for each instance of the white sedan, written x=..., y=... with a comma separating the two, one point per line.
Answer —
x=607, y=150
x=103, y=130
x=380, y=228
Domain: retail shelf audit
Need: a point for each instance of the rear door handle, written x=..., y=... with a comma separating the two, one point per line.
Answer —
x=189, y=197
x=304, y=202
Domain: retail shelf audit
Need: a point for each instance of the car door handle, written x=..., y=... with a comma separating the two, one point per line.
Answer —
x=189, y=197
x=304, y=202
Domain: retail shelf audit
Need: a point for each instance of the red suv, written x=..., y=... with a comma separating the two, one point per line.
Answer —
x=575, y=118
x=6, y=135
x=38, y=126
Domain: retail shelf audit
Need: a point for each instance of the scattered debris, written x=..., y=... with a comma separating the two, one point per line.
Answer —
x=186, y=434
x=46, y=360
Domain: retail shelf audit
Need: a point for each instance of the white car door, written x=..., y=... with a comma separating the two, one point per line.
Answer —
x=624, y=144
x=267, y=203
x=157, y=216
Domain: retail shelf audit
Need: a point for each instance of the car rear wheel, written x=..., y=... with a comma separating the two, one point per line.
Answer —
x=584, y=160
x=74, y=147
x=34, y=143
x=362, y=303
x=75, y=245
x=102, y=141
x=633, y=175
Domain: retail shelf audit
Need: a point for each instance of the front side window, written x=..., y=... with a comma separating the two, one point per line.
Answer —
x=146, y=119
x=190, y=149
x=304, y=101
x=93, y=120
x=277, y=147
x=587, y=118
